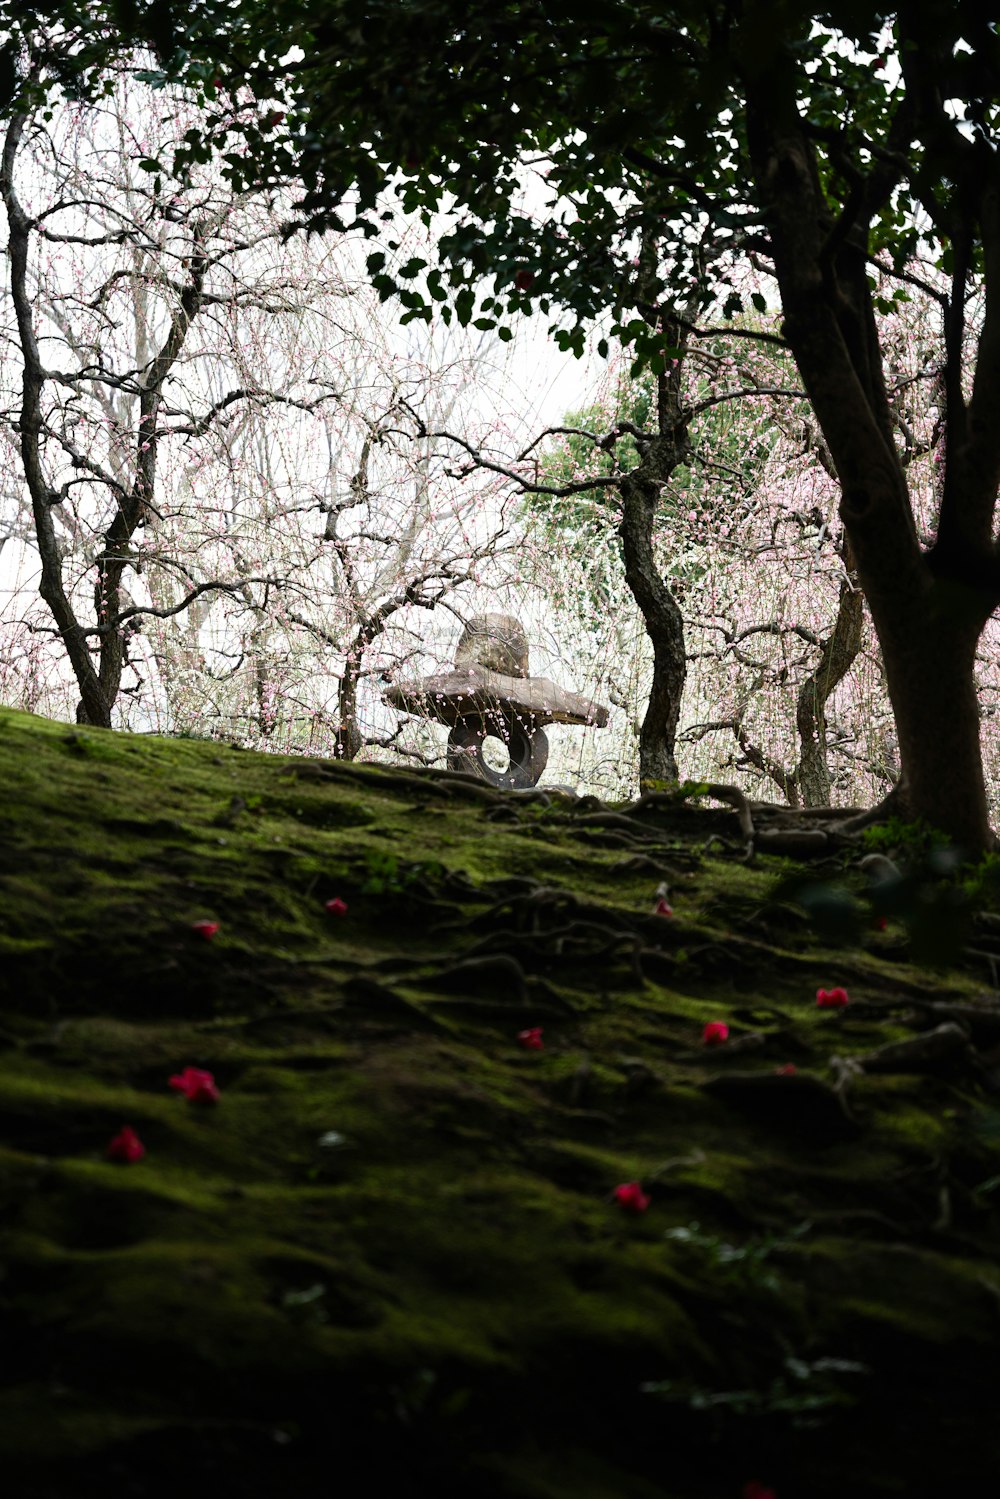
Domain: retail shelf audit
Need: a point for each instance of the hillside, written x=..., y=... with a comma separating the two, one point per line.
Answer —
x=391, y=1254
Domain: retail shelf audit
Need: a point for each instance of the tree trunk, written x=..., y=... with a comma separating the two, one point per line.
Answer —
x=837, y=656
x=349, y=739
x=927, y=626
x=93, y=706
x=930, y=672
x=641, y=490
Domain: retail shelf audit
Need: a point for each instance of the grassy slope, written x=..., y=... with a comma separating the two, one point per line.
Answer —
x=441, y=1295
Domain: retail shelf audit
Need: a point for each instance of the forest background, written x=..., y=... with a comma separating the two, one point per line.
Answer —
x=256, y=501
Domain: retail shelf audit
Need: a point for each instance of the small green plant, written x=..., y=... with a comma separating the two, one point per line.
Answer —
x=913, y=839
x=982, y=883
x=741, y=1266
x=307, y=1306
x=802, y=1391
x=388, y=875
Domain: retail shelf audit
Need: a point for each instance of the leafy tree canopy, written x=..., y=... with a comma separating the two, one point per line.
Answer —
x=636, y=115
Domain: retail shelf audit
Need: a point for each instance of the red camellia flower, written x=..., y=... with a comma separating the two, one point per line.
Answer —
x=631, y=1197
x=336, y=907
x=662, y=909
x=206, y=929
x=531, y=1039
x=788, y=1070
x=197, y=1085
x=126, y=1146
x=715, y=1033
x=831, y=999
x=524, y=280
x=755, y=1490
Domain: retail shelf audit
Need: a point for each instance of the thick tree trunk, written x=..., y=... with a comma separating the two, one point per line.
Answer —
x=930, y=671
x=927, y=626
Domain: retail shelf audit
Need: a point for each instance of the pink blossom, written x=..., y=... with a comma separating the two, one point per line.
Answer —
x=206, y=929
x=531, y=1039
x=336, y=907
x=716, y=1033
x=631, y=1197
x=126, y=1146
x=831, y=999
x=197, y=1085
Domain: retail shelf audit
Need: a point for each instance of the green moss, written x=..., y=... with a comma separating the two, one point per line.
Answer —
x=395, y=1237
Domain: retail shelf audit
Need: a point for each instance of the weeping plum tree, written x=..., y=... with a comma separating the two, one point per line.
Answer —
x=825, y=140
x=746, y=537
x=208, y=465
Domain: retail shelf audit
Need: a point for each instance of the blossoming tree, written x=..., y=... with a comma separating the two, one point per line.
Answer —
x=827, y=142
x=214, y=470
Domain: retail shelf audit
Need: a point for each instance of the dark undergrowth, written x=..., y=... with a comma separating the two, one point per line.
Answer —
x=390, y=1258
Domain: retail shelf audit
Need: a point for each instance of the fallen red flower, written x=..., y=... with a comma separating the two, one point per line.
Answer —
x=631, y=1197
x=715, y=1033
x=206, y=929
x=336, y=907
x=831, y=999
x=197, y=1085
x=662, y=909
x=126, y=1146
x=531, y=1039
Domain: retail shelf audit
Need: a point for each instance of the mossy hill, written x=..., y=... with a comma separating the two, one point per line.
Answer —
x=390, y=1260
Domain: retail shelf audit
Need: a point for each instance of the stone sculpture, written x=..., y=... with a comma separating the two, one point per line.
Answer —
x=490, y=693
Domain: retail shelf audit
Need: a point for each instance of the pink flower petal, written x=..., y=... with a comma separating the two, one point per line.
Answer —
x=631, y=1197
x=197, y=1085
x=531, y=1039
x=126, y=1146
x=716, y=1033
x=831, y=999
x=206, y=929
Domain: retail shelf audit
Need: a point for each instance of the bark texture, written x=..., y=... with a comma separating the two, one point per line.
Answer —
x=641, y=490
x=837, y=656
x=43, y=496
x=99, y=683
x=928, y=609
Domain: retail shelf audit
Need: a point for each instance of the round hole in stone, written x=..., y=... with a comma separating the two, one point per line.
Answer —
x=496, y=755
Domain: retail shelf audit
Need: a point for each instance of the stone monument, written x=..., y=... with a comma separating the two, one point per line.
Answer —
x=490, y=694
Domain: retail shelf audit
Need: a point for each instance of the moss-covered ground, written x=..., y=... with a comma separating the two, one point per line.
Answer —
x=390, y=1257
